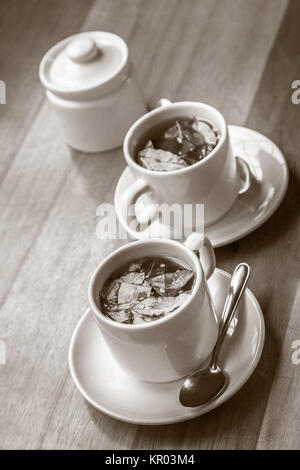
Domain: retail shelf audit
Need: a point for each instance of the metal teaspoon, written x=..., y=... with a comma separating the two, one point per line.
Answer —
x=207, y=384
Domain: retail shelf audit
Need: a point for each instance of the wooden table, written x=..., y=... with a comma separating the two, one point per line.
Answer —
x=237, y=55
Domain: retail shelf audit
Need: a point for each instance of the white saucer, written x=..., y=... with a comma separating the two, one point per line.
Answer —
x=107, y=388
x=251, y=209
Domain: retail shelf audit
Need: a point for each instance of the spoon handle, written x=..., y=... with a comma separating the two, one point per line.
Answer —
x=237, y=286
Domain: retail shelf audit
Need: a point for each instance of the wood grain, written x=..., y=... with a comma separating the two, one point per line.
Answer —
x=280, y=427
x=27, y=30
x=236, y=55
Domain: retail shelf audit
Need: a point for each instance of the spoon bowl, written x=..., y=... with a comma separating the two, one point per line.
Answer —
x=203, y=387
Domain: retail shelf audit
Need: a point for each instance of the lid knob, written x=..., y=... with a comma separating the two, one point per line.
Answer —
x=82, y=49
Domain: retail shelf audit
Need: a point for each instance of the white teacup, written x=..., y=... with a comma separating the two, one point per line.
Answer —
x=214, y=181
x=172, y=347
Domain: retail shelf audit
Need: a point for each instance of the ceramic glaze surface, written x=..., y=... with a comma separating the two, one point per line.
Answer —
x=103, y=383
x=249, y=211
x=212, y=181
x=92, y=89
x=165, y=349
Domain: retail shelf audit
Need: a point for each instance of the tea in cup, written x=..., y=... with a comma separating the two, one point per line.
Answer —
x=152, y=304
x=181, y=153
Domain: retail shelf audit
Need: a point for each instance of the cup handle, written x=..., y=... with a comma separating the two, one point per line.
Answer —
x=202, y=246
x=248, y=176
x=128, y=201
x=131, y=195
x=163, y=102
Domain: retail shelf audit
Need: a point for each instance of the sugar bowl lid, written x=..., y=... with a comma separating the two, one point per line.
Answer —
x=86, y=64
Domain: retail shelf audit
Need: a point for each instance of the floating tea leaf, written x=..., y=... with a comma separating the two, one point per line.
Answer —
x=145, y=290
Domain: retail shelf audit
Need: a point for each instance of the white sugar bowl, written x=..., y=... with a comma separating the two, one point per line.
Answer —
x=91, y=87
